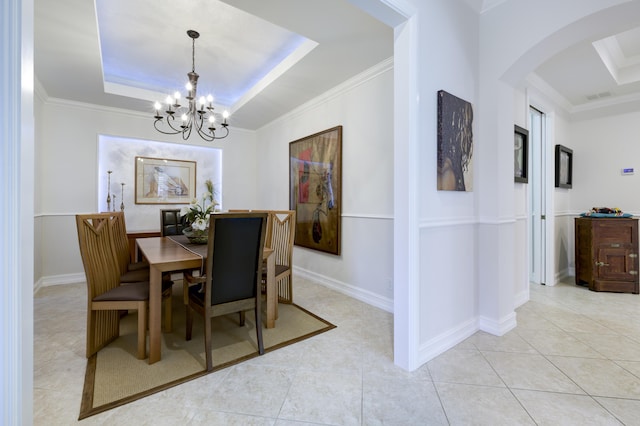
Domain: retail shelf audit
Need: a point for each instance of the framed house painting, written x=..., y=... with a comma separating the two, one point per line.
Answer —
x=455, y=143
x=315, y=189
x=521, y=155
x=164, y=181
x=564, y=167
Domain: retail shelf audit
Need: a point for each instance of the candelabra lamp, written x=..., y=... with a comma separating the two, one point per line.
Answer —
x=122, y=197
x=109, y=190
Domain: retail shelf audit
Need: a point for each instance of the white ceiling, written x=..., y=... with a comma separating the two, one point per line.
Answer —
x=598, y=74
x=261, y=58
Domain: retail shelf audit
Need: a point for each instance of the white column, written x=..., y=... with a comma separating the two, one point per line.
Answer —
x=16, y=204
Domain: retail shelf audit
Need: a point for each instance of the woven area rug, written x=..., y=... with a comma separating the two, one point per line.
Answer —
x=115, y=377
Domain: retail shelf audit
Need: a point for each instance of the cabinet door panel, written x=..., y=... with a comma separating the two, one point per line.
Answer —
x=615, y=264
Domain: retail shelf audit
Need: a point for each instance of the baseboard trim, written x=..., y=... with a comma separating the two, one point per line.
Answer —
x=365, y=296
x=521, y=298
x=498, y=328
x=59, y=280
x=446, y=341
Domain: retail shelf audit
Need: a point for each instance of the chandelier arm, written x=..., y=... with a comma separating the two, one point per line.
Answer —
x=170, y=120
x=155, y=124
x=203, y=133
x=226, y=129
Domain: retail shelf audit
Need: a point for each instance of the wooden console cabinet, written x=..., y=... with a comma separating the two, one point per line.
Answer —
x=607, y=254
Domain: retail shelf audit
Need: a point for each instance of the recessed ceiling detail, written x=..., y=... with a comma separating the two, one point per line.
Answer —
x=621, y=56
x=237, y=51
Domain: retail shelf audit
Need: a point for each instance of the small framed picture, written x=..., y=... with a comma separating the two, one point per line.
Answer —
x=521, y=155
x=564, y=167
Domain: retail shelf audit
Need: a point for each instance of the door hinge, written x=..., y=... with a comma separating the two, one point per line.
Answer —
x=633, y=272
x=633, y=255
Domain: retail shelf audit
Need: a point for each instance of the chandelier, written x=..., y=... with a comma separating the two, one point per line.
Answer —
x=195, y=115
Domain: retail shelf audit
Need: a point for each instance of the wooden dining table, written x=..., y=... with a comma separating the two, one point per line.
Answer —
x=166, y=255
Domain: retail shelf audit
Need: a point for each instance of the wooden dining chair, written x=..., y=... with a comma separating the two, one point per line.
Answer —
x=106, y=297
x=130, y=272
x=232, y=279
x=282, y=226
x=139, y=271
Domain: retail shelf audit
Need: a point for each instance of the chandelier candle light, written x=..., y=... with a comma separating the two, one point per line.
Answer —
x=199, y=115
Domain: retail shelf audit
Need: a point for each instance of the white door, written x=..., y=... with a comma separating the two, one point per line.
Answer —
x=537, y=207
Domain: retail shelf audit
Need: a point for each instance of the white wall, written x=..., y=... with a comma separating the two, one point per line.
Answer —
x=448, y=40
x=602, y=147
x=364, y=107
x=521, y=211
x=68, y=175
x=118, y=155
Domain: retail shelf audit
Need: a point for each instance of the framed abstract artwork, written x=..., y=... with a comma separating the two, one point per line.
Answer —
x=521, y=155
x=164, y=181
x=455, y=143
x=315, y=189
x=564, y=167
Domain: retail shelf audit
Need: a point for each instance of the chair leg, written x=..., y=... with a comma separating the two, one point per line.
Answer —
x=142, y=330
x=259, y=331
x=242, y=317
x=207, y=343
x=168, y=319
x=185, y=289
x=189, y=321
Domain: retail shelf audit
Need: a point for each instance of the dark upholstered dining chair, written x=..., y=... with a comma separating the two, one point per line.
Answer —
x=170, y=222
x=105, y=294
x=232, y=280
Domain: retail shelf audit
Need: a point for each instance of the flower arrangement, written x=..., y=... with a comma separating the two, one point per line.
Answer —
x=197, y=213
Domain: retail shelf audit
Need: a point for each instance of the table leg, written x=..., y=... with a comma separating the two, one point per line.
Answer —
x=155, y=313
x=272, y=292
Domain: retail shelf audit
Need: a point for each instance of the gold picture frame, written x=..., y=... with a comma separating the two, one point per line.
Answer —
x=164, y=181
x=315, y=190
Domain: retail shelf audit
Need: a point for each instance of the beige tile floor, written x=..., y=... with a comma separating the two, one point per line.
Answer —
x=574, y=359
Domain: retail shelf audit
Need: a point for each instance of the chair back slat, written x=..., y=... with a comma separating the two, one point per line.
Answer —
x=282, y=235
x=120, y=240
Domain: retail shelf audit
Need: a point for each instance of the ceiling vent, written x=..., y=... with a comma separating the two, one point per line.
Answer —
x=597, y=96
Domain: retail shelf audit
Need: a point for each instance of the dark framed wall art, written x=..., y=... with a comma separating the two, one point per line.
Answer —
x=521, y=155
x=455, y=143
x=315, y=189
x=564, y=167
